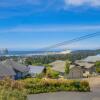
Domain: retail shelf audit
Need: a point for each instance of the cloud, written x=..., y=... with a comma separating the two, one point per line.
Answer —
x=38, y=3
x=76, y=3
x=29, y=33
x=52, y=29
x=11, y=8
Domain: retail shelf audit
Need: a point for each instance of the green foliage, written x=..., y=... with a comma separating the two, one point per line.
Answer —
x=51, y=73
x=47, y=65
x=97, y=64
x=75, y=55
x=35, y=86
x=18, y=90
x=12, y=90
x=28, y=61
x=67, y=66
x=40, y=75
x=41, y=60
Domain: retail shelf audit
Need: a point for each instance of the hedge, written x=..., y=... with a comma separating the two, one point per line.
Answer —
x=18, y=90
x=35, y=86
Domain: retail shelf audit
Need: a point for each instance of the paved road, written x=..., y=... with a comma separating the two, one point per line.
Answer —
x=66, y=96
x=94, y=95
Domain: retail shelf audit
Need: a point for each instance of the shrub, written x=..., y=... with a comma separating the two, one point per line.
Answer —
x=12, y=90
x=51, y=73
x=97, y=64
x=39, y=75
x=18, y=90
x=35, y=86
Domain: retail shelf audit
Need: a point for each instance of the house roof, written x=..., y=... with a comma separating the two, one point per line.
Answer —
x=92, y=59
x=15, y=65
x=6, y=71
x=84, y=64
x=58, y=66
x=72, y=66
x=36, y=69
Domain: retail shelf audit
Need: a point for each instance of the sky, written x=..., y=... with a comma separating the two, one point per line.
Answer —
x=35, y=24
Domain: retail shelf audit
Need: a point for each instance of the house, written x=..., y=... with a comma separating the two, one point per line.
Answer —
x=78, y=69
x=6, y=71
x=20, y=70
x=34, y=70
x=59, y=66
x=87, y=68
x=92, y=59
x=75, y=72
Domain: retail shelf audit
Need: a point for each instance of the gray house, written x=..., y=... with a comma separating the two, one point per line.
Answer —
x=87, y=68
x=92, y=59
x=6, y=71
x=18, y=71
x=75, y=72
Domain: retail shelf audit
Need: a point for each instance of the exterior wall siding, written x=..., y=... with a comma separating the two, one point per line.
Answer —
x=75, y=73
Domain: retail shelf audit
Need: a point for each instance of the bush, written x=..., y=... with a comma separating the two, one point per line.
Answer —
x=12, y=90
x=35, y=86
x=39, y=75
x=97, y=64
x=18, y=90
x=51, y=73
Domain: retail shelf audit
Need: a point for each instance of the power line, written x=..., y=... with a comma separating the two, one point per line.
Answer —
x=71, y=41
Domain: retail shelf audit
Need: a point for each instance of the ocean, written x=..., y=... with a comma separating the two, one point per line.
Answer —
x=25, y=53
x=28, y=53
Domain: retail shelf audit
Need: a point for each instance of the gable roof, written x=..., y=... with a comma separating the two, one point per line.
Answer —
x=72, y=66
x=84, y=64
x=58, y=66
x=92, y=59
x=15, y=65
x=6, y=71
x=36, y=69
x=75, y=67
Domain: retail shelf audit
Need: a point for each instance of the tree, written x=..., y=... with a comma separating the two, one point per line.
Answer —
x=47, y=65
x=97, y=64
x=67, y=66
x=28, y=61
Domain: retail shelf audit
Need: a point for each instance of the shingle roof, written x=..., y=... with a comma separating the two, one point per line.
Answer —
x=36, y=69
x=15, y=65
x=92, y=58
x=6, y=71
x=84, y=64
x=58, y=65
x=72, y=66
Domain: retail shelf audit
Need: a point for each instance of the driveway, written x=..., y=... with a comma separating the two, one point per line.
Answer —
x=93, y=95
